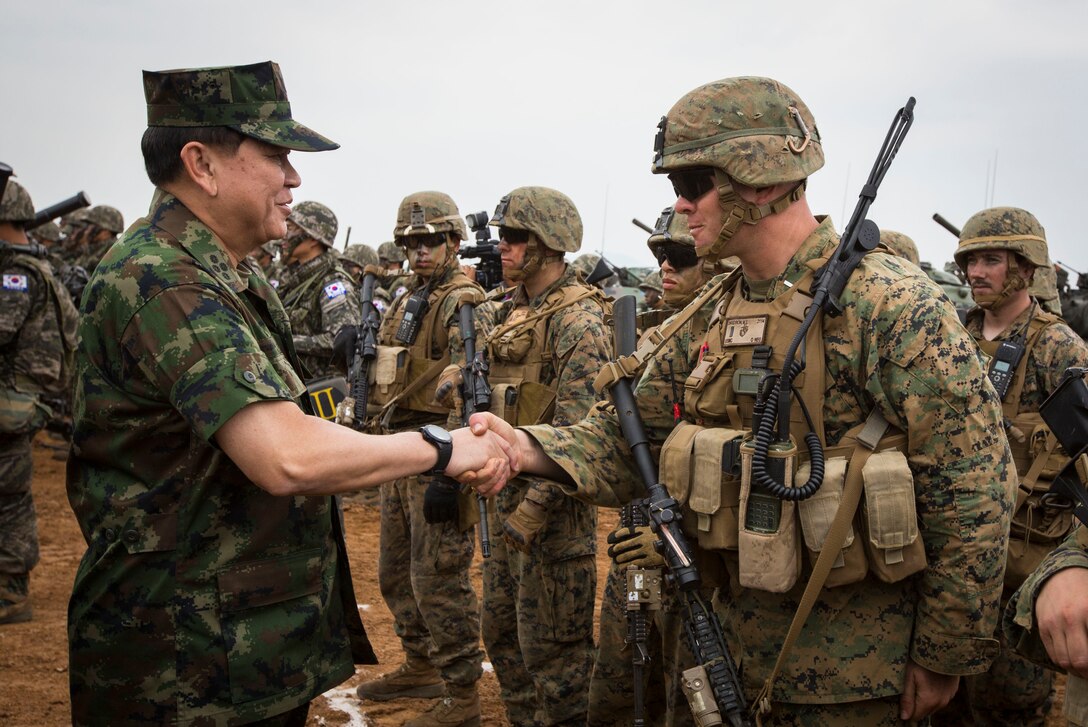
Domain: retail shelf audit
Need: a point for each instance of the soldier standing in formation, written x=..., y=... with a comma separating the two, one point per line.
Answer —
x=215, y=552
x=548, y=341
x=1001, y=251
x=355, y=258
x=652, y=291
x=427, y=537
x=37, y=338
x=914, y=601
x=391, y=257
x=101, y=226
x=320, y=297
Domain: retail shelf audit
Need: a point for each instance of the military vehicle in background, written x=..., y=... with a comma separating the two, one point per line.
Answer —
x=1074, y=300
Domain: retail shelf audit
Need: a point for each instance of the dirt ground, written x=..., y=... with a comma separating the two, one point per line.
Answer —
x=34, y=655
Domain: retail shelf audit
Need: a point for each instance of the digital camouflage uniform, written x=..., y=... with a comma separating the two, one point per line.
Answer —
x=201, y=598
x=898, y=349
x=37, y=337
x=1015, y=690
x=538, y=607
x=1019, y=628
x=423, y=568
x=355, y=259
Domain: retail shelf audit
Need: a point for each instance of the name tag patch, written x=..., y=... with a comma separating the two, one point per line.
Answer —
x=15, y=282
x=744, y=331
x=335, y=289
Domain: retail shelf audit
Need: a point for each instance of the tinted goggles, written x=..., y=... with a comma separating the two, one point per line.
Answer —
x=412, y=242
x=691, y=184
x=514, y=237
x=679, y=256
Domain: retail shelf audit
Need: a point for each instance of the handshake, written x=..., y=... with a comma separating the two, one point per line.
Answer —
x=487, y=454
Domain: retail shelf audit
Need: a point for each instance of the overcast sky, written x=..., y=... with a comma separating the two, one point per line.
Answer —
x=476, y=98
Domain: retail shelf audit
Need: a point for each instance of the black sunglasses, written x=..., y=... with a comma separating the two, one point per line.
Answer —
x=679, y=256
x=513, y=236
x=691, y=184
x=412, y=242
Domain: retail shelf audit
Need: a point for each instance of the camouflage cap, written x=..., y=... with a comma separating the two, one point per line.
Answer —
x=249, y=99
x=756, y=130
x=900, y=244
x=390, y=251
x=425, y=213
x=547, y=213
x=360, y=254
x=317, y=220
x=1003, y=228
x=49, y=231
x=106, y=217
x=652, y=281
x=16, y=205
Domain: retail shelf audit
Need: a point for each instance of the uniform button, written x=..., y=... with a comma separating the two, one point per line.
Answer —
x=131, y=536
x=110, y=535
x=249, y=376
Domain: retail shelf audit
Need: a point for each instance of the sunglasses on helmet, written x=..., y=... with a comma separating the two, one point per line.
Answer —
x=412, y=242
x=691, y=184
x=513, y=236
x=678, y=255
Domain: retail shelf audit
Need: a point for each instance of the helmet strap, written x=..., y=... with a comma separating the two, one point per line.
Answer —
x=1014, y=282
x=534, y=260
x=738, y=211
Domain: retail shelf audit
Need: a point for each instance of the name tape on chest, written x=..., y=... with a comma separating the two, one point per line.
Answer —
x=335, y=289
x=746, y=331
x=15, y=282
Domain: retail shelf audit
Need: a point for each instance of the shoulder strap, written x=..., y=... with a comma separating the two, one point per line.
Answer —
x=1039, y=322
x=552, y=304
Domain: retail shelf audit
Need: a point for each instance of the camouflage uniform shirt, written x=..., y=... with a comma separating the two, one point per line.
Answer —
x=237, y=602
x=898, y=347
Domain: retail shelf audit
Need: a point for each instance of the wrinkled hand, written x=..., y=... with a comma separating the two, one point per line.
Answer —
x=924, y=692
x=343, y=348
x=520, y=529
x=634, y=546
x=440, y=501
x=448, y=386
x=1062, y=615
x=485, y=425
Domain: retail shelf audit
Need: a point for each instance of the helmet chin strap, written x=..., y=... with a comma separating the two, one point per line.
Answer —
x=1014, y=282
x=738, y=211
x=534, y=260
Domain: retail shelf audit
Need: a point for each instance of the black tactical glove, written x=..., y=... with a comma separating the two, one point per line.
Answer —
x=440, y=501
x=634, y=546
x=343, y=348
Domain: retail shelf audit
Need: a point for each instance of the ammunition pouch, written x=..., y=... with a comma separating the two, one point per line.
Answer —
x=818, y=512
x=769, y=549
x=389, y=373
x=522, y=403
x=890, y=518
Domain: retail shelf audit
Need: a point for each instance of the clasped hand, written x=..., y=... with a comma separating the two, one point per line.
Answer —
x=485, y=454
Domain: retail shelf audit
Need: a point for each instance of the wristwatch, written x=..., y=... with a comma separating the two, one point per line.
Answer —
x=443, y=442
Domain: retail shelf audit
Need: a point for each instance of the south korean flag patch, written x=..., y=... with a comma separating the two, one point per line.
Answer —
x=15, y=282
x=335, y=290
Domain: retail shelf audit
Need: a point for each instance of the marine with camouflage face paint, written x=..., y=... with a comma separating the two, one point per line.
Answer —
x=37, y=337
x=201, y=486
x=1001, y=251
x=902, y=616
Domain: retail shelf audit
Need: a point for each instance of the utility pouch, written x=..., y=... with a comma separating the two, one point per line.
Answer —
x=818, y=512
x=770, y=551
x=468, y=513
x=714, y=493
x=700, y=696
x=890, y=519
x=390, y=369
x=709, y=388
x=535, y=404
x=21, y=412
x=504, y=401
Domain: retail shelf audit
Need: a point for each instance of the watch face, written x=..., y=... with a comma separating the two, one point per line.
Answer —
x=438, y=433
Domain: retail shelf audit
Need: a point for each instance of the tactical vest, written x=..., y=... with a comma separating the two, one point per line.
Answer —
x=519, y=354
x=20, y=407
x=1035, y=531
x=706, y=461
x=404, y=376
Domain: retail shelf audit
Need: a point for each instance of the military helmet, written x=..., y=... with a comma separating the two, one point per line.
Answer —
x=1003, y=228
x=756, y=130
x=585, y=264
x=106, y=217
x=672, y=226
x=426, y=213
x=391, y=251
x=901, y=245
x=16, y=205
x=317, y=220
x=49, y=231
x=652, y=282
x=547, y=213
x=360, y=254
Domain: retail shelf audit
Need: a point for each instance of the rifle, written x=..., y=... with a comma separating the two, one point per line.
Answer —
x=475, y=393
x=718, y=694
x=366, y=349
x=1065, y=411
x=77, y=201
x=946, y=224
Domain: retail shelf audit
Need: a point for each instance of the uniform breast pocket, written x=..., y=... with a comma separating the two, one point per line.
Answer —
x=270, y=612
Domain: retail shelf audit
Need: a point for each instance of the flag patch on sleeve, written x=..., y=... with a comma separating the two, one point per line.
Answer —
x=334, y=290
x=15, y=282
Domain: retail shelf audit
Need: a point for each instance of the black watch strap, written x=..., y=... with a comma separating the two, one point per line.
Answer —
x=442, y=442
